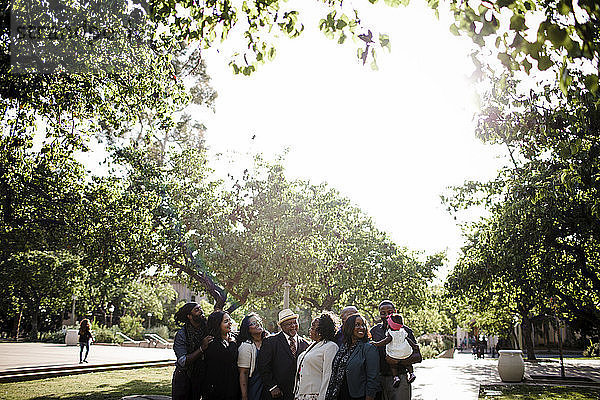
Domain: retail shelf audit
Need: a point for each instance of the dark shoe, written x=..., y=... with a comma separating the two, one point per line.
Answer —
x=80, y=362
x=85, y=361
x=411, y=378
x=396, y=382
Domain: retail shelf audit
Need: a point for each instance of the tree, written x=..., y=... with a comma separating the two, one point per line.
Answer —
x=41, y=280
x=541, y=238
x=566, y=39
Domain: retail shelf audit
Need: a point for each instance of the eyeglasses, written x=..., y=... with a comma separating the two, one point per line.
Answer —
x=256, y=324
x=289, y=323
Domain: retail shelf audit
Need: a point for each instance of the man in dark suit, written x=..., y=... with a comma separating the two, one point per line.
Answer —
x=277, y=357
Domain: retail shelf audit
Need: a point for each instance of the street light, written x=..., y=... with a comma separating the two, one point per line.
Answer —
x=73, y=310
x=111, y=310
x=149, y=318
x=286, y=295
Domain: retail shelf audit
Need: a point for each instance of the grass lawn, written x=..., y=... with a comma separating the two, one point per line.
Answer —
x=530, y=392
x=93, y=386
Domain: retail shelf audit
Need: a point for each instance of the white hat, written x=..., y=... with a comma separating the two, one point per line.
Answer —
x=285, y=315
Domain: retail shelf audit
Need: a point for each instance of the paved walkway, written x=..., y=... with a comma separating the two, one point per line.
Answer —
x=460, y=377
x=437, y=379
x=19, y=355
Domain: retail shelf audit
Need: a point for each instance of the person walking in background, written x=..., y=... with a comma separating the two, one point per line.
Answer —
x=355, y=369
x=404, y=390
x=314, y=364
x=278, y=356
x=222, y=379
x=190, y=343
x=344, y=314
x=250, y=340
x=85, y=340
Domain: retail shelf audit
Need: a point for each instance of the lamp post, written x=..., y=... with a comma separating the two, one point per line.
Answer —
x=149, y=318
x=111, y=310
x=73, y=310
x=286, y=295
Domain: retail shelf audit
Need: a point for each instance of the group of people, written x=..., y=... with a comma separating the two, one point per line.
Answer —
x=338, y=363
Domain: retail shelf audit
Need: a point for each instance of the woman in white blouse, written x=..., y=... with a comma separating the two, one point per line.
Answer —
x=314, y=364
x=249, y=340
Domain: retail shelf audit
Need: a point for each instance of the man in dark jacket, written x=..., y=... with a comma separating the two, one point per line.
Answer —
x=190, y=343
x=276, y=362
x=344, y=314
x=378, y=332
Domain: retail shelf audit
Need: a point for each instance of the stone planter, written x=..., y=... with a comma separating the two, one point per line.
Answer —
x=72, y=337
x=511, y=366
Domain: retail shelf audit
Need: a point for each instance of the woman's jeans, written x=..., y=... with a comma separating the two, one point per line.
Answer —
x=83, y=345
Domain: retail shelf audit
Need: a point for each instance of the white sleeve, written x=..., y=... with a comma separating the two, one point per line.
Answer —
x=244, y=355
x=328, y=357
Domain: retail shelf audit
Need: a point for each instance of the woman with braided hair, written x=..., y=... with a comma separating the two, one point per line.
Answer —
x=190, y=343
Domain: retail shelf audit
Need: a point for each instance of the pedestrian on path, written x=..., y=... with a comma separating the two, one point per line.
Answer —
x=190, y=343
x=85, y=339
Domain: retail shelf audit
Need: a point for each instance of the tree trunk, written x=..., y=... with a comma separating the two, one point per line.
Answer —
x=33, y=335
x=526, y=326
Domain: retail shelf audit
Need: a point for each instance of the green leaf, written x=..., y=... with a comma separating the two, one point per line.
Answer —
x=544, y=63
x=505, y=59
x=517, y=23
x=526, y=65
x=454, y=30
x=556, y=34
x=489, y=27
x=504, y=3
x=384, y=41
x=564, y=8
x=591, y=83
x=393, y=3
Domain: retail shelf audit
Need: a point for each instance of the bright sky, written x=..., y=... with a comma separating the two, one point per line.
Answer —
x=391, y=140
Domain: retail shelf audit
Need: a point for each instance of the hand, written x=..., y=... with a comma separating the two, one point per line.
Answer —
x=276, y=393
x=205, y=342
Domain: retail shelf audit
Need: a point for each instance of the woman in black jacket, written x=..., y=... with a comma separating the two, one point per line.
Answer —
x=222, y=379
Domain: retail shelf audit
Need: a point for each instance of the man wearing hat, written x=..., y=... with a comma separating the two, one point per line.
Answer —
x=277, y=357
x=190, y=342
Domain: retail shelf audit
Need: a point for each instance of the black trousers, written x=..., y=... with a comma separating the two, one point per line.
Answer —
x=183, y=387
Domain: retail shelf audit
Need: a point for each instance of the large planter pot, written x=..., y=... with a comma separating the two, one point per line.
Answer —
x=511, y=366
x=72, y=337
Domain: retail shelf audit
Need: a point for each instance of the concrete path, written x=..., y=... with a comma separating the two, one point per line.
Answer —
x=437, y=379
x=461, y=376
x=20, y=355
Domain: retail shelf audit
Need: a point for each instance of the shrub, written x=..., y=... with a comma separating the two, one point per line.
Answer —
x=53, y=337
x=435, y=343
x=132, y=327
x=103, y=334
x=593, y=350
x=429, y=351
x=160, y=330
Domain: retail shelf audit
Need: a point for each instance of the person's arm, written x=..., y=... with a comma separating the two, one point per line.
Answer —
x=244, y=373
x=244, y=362
x=328, y=357
x=372, y=370
x=387, y=339
x=200, y=351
